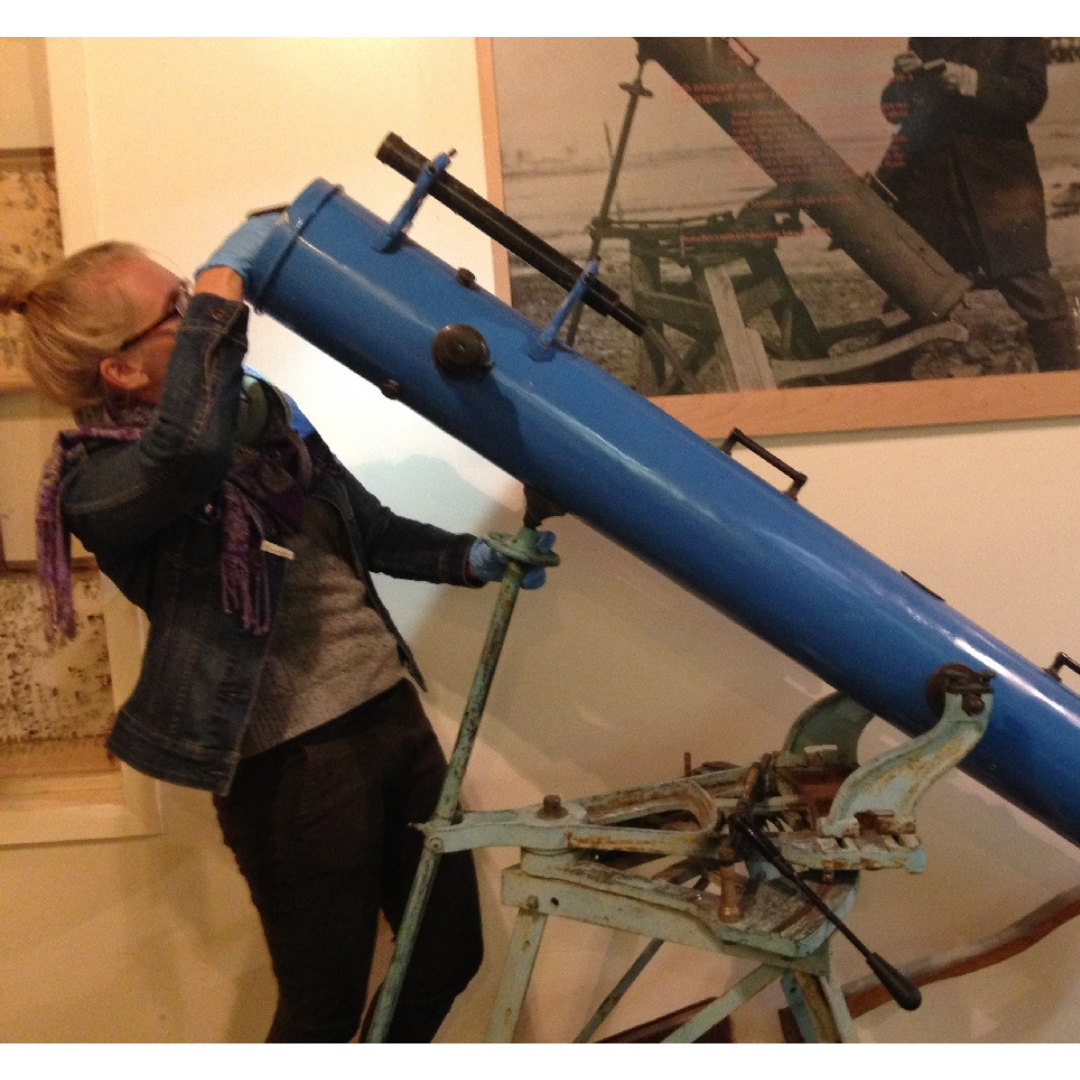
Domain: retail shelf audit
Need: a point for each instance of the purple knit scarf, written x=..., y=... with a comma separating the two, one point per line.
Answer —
x=261, y=499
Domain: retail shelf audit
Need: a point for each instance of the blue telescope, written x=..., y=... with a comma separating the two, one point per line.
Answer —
x=358, y=289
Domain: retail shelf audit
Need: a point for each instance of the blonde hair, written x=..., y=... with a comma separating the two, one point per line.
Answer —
x=73, y=318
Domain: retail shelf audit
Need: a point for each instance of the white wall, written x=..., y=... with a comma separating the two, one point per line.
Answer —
x=611, y=672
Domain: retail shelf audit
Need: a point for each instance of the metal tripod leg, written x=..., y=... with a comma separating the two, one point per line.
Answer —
x=517, y=971
x=522, y=547
x=819, y=1008
x=739, y=994
x=616, y=995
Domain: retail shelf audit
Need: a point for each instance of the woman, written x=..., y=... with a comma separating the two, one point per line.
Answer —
x=273, y=675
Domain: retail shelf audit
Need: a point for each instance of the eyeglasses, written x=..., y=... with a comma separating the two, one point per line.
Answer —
x=177, y=309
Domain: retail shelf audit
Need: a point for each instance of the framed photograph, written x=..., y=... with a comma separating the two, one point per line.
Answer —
x=58, y=700
x=817, y=234
x=29, y=238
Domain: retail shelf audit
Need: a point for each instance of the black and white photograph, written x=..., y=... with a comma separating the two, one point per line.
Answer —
x=798, y=212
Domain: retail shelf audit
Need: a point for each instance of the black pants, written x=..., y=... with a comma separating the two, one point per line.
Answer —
x=320, y=830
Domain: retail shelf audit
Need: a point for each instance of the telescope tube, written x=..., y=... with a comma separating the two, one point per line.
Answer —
x=561, y=425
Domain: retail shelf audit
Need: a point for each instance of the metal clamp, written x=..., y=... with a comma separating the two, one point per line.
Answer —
x=797, y=478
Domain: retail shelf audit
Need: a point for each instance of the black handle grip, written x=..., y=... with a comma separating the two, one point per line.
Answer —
x=797, y=478
x=903, y=991
x=502, y=228
x=1060, y=661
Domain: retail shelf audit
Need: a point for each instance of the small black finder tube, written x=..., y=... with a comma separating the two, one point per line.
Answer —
x=513, y=236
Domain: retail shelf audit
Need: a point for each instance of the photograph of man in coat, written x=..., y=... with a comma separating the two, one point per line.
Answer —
x=963, y=171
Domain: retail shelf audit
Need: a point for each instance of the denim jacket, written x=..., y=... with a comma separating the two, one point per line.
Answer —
x=148, y=512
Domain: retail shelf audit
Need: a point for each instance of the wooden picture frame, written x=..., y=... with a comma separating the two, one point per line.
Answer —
x=62, y=788
x=916, y=402
x=29, y=238
x=58, y=783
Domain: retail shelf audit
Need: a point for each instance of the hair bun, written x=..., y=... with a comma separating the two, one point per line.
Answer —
x=16, y=285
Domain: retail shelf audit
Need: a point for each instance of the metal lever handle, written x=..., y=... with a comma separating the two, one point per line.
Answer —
x=902, y=990
x=1060, y=661
x=797, y=478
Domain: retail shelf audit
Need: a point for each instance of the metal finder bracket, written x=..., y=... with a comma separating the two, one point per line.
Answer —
x=543, y=347
x=397, y=228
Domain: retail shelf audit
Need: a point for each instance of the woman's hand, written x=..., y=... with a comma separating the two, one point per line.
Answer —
x=221, y=281
x=486, y=564
x=906, y=63
x=237, y=254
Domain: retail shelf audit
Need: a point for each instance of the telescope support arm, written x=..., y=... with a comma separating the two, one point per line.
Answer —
x=521, y=551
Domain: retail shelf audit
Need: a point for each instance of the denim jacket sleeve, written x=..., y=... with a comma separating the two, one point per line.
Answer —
x=117, y=497
x=401, y=547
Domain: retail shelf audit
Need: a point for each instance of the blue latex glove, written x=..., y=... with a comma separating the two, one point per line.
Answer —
x=240, y=248
x=487, y=564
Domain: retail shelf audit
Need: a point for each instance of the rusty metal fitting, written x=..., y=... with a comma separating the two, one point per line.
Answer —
x=552, y=808
x=730, y=911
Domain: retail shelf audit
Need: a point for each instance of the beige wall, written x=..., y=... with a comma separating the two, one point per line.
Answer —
x=25, y=120
x=611, y=672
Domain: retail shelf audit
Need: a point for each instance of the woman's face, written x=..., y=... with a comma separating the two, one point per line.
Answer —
x=153, y=293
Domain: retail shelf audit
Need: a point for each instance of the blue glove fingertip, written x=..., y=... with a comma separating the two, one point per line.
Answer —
x=534, y=577
x=239, y=249
x=485, y=562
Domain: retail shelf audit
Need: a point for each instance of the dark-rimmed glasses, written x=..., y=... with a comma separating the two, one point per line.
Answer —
x=177, y=309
